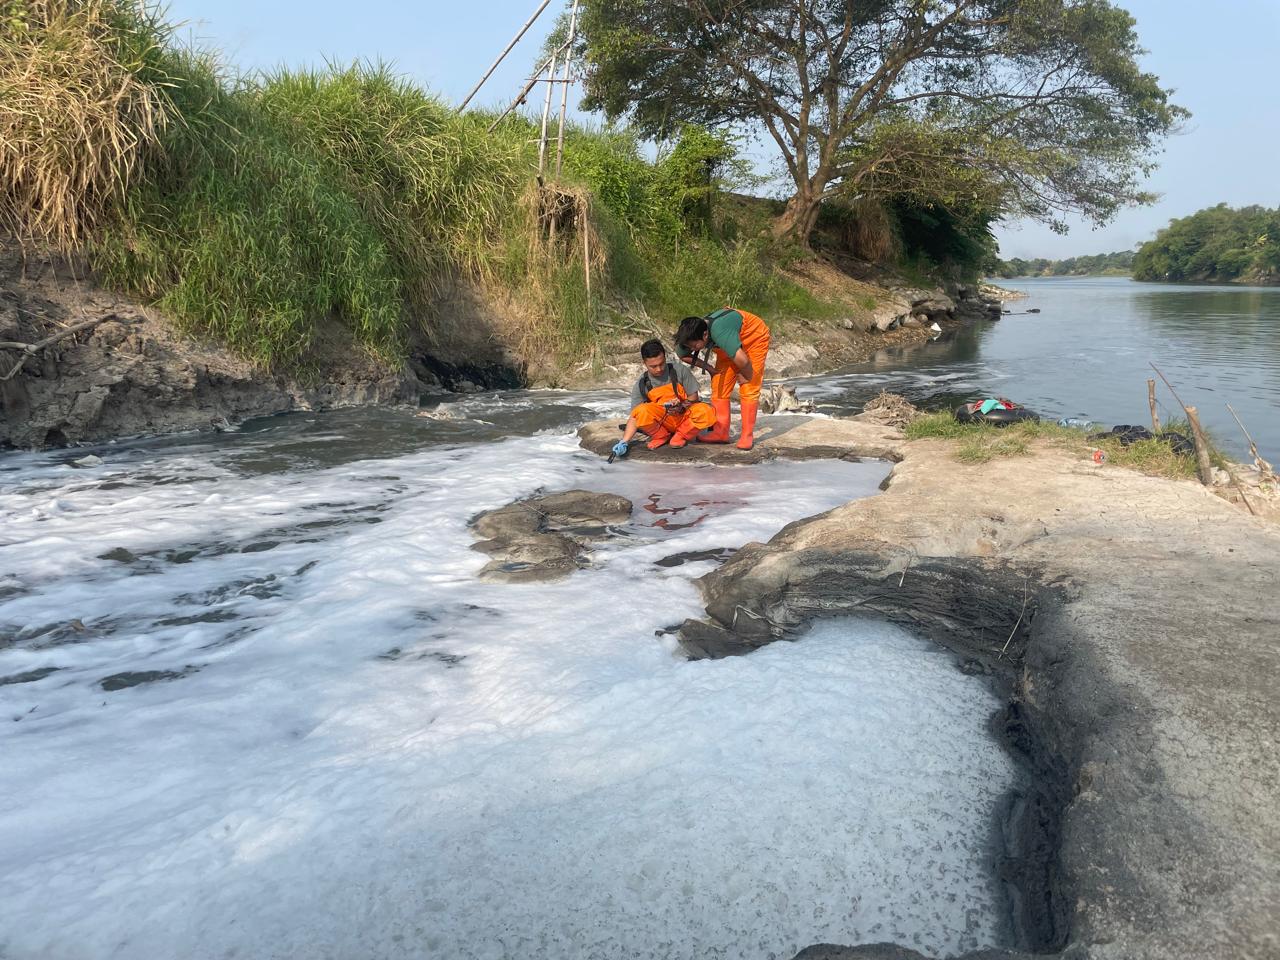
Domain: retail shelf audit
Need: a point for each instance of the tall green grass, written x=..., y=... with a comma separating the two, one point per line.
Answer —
x=247, y=233
x=261, y=211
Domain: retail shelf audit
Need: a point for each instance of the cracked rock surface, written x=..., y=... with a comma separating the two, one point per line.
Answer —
x=546, y=537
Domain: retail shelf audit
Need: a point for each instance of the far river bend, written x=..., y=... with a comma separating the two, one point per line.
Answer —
x=1087, y=354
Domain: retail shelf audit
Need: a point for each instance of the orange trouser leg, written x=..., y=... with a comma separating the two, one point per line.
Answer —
x=697, y=418
x=749, y=393
x=724, y=378
x=721, y=389
x=654, y=420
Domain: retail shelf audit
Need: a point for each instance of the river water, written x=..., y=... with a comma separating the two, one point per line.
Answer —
x=1088, y=352
x=255, y=702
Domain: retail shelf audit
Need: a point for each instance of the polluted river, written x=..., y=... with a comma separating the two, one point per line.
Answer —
x=257, y=702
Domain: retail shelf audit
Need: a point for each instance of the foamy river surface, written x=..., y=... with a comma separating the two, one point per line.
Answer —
x=255, y=703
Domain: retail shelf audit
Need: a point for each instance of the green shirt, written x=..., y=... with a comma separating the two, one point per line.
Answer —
x=725, y=327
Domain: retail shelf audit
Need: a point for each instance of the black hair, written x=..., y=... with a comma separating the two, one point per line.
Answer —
x=652, y=348
x=691, y=328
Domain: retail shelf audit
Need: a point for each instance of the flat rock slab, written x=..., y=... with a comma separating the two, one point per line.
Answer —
x=785, y=436
x=1135, y=621
x=545, y=537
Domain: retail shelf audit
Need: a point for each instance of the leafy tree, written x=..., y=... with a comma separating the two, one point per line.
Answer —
x=1217, y=244
x=1117, y=264
x=1024, y=107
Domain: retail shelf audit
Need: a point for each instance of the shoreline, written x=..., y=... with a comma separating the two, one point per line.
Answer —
x=132, y=373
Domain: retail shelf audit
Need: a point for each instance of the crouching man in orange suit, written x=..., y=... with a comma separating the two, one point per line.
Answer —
x=664, y=403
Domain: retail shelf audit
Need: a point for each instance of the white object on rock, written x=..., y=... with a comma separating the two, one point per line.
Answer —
x=935, y=328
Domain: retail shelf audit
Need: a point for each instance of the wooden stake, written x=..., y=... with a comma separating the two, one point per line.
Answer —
x=1151, y=401
x=1203, y=467
x=586, y=248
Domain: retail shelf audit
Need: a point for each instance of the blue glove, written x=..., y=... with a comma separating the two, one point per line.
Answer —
x=620, y=448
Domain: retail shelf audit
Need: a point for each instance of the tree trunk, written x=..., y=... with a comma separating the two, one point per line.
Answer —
x=801, y=215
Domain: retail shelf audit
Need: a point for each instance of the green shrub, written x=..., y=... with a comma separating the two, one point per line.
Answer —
x=246, y=232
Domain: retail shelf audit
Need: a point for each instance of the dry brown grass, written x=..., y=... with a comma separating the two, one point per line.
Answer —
x=76, y=118
x=869, y=234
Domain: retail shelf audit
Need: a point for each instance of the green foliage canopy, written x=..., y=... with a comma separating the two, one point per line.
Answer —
x=1031, y=108
x=1217, y=244
x=1117, y=264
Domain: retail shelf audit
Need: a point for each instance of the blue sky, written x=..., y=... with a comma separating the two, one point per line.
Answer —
x=1221, y=58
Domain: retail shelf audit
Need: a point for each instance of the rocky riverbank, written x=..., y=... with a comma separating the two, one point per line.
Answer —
x=97, y=366
x=1130, y=622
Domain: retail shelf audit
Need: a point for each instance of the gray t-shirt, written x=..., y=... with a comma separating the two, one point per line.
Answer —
x=684, y=378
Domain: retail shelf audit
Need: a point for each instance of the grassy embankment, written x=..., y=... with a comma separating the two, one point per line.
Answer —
x=980, y=443
x=261, y=212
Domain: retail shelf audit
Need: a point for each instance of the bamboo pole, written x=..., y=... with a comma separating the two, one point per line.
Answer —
x=503, y=55
x=564, y=86
x=546, y=114
x=1151, y=401
x=1203, y=467
x=537, y=75
x=585, y=228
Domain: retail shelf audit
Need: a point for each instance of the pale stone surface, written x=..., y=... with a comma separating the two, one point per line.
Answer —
x=792, y=437
x=1136, y=623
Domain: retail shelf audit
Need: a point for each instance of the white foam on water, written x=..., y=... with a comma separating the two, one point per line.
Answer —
x=350, y=747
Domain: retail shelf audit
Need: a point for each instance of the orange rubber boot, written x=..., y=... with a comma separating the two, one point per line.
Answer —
x=658, y=435
x=749, y=409
x=688, y=430
x=720, y=432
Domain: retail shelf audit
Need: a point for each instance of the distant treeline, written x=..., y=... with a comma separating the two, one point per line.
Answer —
x=1118, y=264
x=1215, y=245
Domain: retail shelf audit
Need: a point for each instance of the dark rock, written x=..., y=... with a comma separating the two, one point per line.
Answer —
x=719, y=555
x=545, y=537
x=29, y=676
x=122, y=681
x=702, y=640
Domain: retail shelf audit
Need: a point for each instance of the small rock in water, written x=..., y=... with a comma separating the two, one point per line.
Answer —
x=89, y=461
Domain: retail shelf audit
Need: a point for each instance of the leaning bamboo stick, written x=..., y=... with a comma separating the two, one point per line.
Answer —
x=1264, y=468
x=537, y=75
x=503, y=55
